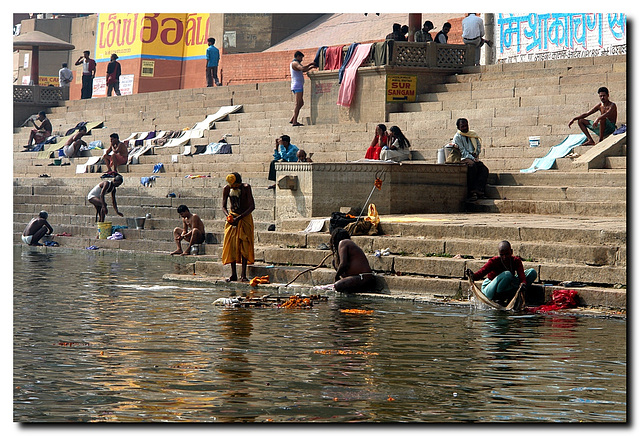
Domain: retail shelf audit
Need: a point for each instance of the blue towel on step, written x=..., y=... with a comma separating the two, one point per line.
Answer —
x=556, y=152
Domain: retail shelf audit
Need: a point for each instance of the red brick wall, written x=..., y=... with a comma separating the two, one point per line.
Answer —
x=241, y=68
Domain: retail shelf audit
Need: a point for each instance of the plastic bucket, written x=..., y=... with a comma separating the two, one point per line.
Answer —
x=104, y=230
x=140, y=222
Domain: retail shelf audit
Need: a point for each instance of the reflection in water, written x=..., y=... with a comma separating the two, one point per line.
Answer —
x=112, y=341
x=233, y=363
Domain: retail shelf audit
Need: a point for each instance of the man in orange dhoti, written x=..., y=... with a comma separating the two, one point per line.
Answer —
x=238, y=230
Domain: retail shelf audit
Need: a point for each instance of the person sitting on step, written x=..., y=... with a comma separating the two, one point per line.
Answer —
x=116, y=154
x=353, y=273
x=41, y=132
x=468, y=142
x=380, y=140
x=398, y=149
x=284, y=151
x=192, y=231
x=605, y=124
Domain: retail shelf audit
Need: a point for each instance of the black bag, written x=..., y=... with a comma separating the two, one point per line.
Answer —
x=339, y=220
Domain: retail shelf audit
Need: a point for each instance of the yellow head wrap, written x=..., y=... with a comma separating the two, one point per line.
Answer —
x=231, y=179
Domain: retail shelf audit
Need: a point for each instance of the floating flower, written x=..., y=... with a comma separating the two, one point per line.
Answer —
x=357, y=311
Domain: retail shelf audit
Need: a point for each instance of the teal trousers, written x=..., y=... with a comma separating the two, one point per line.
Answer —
x=506, y=283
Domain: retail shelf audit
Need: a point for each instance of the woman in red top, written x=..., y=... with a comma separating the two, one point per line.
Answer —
x=379, y=141
x=505, y=274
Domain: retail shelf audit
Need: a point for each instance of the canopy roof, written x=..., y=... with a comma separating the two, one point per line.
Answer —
x=35, y=38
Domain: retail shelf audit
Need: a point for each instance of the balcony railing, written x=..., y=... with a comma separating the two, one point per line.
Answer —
x=42, y=95
x=417, y=54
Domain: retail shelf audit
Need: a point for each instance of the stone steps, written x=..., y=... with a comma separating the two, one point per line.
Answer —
x=433, y=240
x=414, y=267
x=563, y=222
x=431, y=288
x=565, y=208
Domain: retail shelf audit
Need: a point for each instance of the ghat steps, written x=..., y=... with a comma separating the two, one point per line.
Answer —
x=575, y=219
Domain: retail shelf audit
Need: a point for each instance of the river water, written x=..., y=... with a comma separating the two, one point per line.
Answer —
x=99, y=336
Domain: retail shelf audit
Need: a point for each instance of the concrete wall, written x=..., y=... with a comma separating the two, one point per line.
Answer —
x=50, y=61
x=370, y=102
x=251, y=33
x=323, y=188
x=83, y=36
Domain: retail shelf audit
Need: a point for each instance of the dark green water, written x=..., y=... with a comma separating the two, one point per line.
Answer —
x=99, y=336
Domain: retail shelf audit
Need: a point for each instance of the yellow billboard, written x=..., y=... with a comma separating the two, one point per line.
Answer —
x=157, y=36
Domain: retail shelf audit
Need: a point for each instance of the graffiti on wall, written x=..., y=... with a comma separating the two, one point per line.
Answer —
x=533, y=37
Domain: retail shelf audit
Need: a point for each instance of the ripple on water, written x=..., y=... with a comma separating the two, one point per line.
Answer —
x=114, y=342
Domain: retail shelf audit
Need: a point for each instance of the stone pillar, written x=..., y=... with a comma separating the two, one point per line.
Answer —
x=489, y=33
x=415, y=24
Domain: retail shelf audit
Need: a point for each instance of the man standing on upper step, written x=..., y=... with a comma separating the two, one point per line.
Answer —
x=88, y=73
x=468, y=142
x=297, y=71
x=472, y=34
x=605, y=124
x=213, y=58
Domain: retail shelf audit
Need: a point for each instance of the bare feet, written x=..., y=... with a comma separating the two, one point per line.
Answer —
x=176, y=252
x=244, y=279
x=589, y=143
x=186, y=253
x=232, y=279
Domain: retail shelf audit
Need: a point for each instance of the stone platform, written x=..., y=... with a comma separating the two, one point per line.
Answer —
x=308, y=190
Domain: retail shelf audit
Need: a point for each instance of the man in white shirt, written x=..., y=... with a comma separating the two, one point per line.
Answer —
x=88, y=73
x=473, y=32
x=65, y=76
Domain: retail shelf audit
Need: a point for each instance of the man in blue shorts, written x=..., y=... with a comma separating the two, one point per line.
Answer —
x=605, y=124
x=297, y=71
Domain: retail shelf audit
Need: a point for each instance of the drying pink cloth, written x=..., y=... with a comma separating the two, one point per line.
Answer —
x=333, y=58
x=348, y=85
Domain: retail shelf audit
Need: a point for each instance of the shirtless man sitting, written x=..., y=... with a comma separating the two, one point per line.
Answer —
x=353, y=273
x=42, y=131
x=605, y=124
x=192, y=230
x=119, y=156
x=36, y=229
